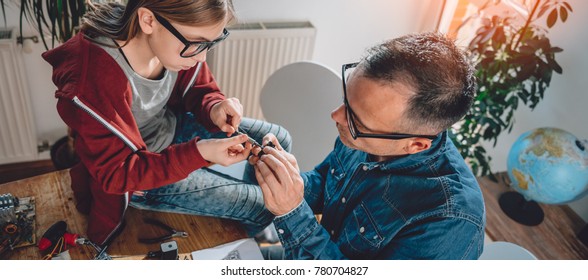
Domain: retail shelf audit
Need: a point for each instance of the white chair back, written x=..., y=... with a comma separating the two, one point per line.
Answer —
x=502, y=250
x=300, y=97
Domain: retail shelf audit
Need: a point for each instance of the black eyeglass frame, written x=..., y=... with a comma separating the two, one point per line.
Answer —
x=200, y=46
x=355, y=133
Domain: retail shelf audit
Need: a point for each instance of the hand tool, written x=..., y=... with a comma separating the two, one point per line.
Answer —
x=171, y=232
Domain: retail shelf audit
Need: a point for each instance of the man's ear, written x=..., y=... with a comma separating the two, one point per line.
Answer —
x=417, y=144
x=146, y=20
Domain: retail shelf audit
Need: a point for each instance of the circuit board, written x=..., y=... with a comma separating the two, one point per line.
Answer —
x=17, y=223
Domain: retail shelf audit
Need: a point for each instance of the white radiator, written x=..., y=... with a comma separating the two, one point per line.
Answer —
x=252, y=52
x=17, y=128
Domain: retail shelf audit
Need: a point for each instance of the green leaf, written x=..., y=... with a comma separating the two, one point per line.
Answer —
x=552, y=18
x=487, y=35
x=555, y=50
x=498, y=38
x=514, y=66
x=547, y=74
x=533, y=43
x=554, y=65
x=563, y=13
x=544, y=9
x=3, y=11
x=525, y=72
x=527, y=50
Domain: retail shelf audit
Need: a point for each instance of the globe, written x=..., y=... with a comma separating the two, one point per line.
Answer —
x=549, y=165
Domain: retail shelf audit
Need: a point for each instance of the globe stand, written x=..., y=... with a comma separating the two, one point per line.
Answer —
x=523, y=211
x=583, y=235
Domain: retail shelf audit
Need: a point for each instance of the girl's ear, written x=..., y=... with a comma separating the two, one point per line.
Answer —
x=146, y=20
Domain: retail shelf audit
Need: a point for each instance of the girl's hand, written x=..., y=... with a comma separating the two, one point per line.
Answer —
x=270, y=137
x=227, y=115
x=224, y=151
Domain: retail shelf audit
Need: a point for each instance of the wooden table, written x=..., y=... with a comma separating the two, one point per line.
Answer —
x=55, y=202
x=553, y=239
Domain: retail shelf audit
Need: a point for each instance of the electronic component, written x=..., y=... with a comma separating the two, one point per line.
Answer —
x=17, y=221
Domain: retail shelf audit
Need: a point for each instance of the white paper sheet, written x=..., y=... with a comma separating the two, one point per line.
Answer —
x=242, y=249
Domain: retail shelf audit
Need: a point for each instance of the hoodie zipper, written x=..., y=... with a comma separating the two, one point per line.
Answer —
x=120, y=135
x=101, y=120
x=193, y=79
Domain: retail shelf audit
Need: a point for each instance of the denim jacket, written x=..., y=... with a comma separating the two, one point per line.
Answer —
x=422, y=206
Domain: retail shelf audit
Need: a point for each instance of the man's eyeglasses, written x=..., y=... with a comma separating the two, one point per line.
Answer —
x=355, y=133
x=191, y=48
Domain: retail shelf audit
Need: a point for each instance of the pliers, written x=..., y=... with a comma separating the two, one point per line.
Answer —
x=171, y=232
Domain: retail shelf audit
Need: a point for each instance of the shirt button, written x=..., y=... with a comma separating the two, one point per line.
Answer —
x=343, y=200
x=365, y=168
x=280, y=231
x=361, y=230
x=332, y=232
x=333, y=171
x=375, y=237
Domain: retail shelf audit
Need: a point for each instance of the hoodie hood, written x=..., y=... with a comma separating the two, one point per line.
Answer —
x=71, y=68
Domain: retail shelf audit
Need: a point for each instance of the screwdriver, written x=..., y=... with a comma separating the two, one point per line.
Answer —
x=255, y=143
x=249, y=139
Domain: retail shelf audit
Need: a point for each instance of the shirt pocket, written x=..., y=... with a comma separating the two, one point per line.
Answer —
x=335, y=176
x=362, y=233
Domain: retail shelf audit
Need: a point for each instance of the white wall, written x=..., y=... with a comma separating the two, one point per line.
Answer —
x=344, y=29
x=49, y=125
x=564, y=105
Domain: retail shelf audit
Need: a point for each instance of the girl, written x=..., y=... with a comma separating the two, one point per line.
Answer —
x=148, y=116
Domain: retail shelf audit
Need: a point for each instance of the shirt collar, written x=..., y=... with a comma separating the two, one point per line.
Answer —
x=438, y=146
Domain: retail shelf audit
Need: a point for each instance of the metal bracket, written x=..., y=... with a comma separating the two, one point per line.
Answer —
x=20, y=40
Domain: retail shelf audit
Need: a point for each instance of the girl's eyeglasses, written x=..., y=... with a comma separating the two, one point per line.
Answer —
x=191, y=48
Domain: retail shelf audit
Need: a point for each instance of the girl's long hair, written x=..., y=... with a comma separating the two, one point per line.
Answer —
x=119, y=22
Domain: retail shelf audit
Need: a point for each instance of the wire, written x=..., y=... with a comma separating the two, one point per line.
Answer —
x=60, y=243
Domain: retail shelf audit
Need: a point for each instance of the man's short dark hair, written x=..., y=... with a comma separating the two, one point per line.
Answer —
x=440, y=73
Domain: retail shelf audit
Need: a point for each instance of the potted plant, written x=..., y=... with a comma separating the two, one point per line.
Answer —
x=58, y=18
x=514, y=64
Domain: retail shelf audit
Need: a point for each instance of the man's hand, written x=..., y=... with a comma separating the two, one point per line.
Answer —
x=280, y=180
x=271, y=138
x=224, y=151
x=227, y=115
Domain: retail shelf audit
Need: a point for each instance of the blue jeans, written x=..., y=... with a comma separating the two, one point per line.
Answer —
x=207, y=192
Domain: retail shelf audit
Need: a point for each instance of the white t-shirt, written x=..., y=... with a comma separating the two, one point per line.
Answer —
x=155, y=121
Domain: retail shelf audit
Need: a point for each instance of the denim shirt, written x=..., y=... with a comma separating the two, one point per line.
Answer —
x=422, y=206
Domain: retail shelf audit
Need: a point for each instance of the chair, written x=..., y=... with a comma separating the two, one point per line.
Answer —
x=300, y=97
x=502, y=250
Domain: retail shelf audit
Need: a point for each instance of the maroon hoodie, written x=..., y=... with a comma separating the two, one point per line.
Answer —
x=94, y=100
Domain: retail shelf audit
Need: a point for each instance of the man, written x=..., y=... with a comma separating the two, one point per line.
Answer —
x=395, y=186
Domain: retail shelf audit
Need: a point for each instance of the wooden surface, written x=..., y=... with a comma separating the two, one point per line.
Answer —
x=553, y=239
x=16, y=171
x=55, y=202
